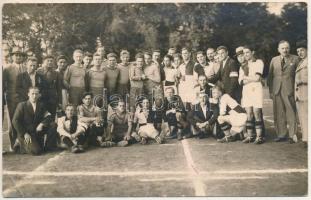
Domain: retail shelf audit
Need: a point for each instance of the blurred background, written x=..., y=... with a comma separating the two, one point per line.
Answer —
x=61, y=28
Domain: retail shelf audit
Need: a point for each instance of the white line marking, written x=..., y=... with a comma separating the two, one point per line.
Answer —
x=199, y=186
x=28, y=179
x=95, y=173
x=204, y=178
x=150, y=173
x=264, y=171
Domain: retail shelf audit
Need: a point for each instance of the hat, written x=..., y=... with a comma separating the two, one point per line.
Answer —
x=61, y=57
x=238, y=51
x=111, y=55
x=302, y=44
x=222, y=47
x=17, y=50
x=47, y=57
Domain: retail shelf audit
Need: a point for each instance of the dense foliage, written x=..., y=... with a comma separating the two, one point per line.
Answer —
x=64, y=27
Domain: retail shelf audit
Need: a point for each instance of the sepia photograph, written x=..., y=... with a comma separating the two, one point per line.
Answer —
x=147, y=99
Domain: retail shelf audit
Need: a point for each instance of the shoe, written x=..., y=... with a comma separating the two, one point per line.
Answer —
x=295, y=138
x=259, y=140
x=143, y=141
x=291, y=141
x=74, y=149
x=201, y=136
x=107, y=144
x=280, y=139
x=81, y=149
x=173, y=136
x=179, y=136
x=62, y=145
x=241, y=135
x=248, y=140
x=122, y=143
x=158, y=139
x=16, y=147
x=187, y=136
x=136, y=136
x=226, y=139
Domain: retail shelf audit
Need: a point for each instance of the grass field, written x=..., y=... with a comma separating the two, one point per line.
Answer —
x=191, y=167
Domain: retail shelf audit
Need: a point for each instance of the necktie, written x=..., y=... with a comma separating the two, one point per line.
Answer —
x=283, y=63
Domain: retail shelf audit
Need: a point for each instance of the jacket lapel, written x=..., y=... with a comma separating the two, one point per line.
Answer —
x=301, y=65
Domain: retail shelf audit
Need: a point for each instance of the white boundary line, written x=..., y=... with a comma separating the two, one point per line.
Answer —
x=199, y=186
x=28, y=179
x=152, y=173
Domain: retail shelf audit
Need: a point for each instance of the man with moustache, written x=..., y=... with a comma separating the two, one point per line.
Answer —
x=281, y=80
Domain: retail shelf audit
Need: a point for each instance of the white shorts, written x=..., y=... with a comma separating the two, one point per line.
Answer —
x=236, y=120
x=148, y=131
x=252, y=95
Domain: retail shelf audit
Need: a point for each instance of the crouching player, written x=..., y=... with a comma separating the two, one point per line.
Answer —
x=120, y=125
x=71, y=130
x=204, y=116
x=93, y=117
x=145, y=117
x=175, y=114
x=232, y=117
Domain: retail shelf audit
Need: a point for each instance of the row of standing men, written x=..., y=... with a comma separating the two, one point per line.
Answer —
x=148, y=76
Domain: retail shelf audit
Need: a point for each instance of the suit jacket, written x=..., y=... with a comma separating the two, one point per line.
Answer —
x=50, y=85
x=282, y=79
x=26, y=120
x=227, y=77
x=197, y=116
x=23, y=83
x=301, y=81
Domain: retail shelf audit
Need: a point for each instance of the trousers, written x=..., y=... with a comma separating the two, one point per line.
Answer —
x=284, y=110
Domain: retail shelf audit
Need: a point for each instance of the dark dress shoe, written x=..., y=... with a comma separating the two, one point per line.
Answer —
x=279, y=139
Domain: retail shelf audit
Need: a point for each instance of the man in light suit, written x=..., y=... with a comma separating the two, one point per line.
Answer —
x=301, y=89
x=281, y=80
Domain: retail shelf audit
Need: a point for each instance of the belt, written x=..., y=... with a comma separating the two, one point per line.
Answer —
x=144, y=124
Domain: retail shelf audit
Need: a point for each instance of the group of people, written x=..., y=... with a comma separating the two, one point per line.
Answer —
x=98, y=101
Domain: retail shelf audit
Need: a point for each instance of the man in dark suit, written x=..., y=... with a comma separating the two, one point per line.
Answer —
x=36, y=131
x=26, y=79
x=204, y=117
x=228, y=74
x=50, y=84
x=281, y=79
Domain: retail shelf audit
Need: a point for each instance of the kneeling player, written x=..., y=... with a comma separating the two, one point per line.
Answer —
x=232, y=117
x=120, y=126
x=175, y=114
x=144, y=116
x=71, y=130
x=93, y=117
